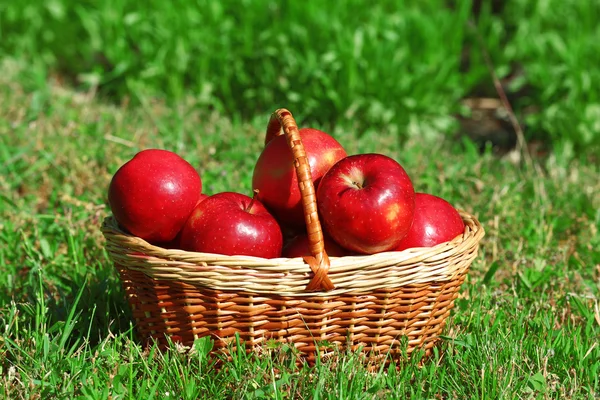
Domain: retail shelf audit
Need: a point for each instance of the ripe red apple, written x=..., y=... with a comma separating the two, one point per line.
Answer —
x=366, y=203
x=153, y=194
x=176, y=242
x=435, y=222
x=202, y=197
x=275, y=177
x=299, y=247
x=232, y=224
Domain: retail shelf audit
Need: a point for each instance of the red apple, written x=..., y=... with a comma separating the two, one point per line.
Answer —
x=275, y=177
x=202, y=197
x=435, y=222
x=153, y=194
x=366, y=203
x=176, y=242
x=232, y=224
x=299, y=247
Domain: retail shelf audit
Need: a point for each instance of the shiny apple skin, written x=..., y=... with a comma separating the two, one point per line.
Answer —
x=275, y=176
x=153, y=194
x=299, y=247
x=223, y=224
x=366, y=203
x=176, y=242
x=436, y=221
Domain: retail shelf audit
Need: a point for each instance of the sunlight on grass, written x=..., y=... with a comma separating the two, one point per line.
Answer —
x=387, y=65
x=525, y=325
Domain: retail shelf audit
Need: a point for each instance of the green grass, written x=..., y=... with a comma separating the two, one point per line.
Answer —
x=527, y=323
x=393, y=66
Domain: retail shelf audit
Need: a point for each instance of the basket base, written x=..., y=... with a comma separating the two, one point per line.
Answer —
x=386, y=324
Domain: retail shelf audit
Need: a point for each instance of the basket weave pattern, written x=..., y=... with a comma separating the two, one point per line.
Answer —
x=378, y=302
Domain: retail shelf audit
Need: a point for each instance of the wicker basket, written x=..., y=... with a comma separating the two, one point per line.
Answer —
x=386, y=304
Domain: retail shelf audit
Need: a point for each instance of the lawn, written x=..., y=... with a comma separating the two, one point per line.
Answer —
x=527, y=322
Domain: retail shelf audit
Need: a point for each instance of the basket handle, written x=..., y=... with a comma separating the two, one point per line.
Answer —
x=283, y=123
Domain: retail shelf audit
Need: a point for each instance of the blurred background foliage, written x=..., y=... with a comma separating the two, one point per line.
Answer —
x=395, y=66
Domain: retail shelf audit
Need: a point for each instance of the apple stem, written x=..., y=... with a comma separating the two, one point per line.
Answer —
x=253, y=200
x=357, y=184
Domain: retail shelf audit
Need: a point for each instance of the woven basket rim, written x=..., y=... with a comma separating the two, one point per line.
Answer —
x=111, y=226
x=289, y=276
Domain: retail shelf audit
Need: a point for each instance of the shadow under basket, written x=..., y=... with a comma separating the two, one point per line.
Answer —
x=386, y=304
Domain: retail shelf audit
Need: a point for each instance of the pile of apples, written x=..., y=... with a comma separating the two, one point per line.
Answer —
x=366, y=204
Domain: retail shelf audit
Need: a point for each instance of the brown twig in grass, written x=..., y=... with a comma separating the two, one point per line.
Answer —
x=522, y=148
x=521, y=143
